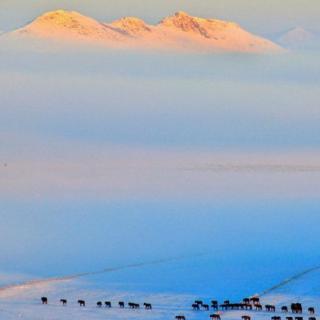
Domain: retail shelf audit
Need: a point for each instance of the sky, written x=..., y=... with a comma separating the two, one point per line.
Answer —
x=258, y=16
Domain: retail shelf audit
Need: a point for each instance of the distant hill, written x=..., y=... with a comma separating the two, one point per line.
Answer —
x=298, y=38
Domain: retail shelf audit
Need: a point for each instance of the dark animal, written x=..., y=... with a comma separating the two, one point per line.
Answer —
x=214, y=304
x=121, y=304
x=270, y=308
x=205, y=306
x=131, y=305
x=147, y=306
x=226, y=302
x=107, y=304
x=312, y=318
x=44, y=300
x=276, y=318
x=255, y=300
x=289, y=318
x=137, y=306
x=99, y=304
x=284, y=309
x=296, y=307
x=180, y=317
x=195, y=306
x=298, y=318
x=311, y=310
x=246, y=318
x=200, y=302
x=82, y=303
x=258, y=306
x=246, y=300
x=64, y=301
x=215, y=316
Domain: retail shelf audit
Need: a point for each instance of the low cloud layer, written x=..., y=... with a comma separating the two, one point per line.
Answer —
x=115, y=173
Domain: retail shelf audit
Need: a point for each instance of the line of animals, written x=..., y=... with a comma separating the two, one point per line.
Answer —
x=252, y=303
x=107, y=304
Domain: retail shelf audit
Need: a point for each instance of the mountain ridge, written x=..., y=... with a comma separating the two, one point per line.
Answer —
x=178, y=32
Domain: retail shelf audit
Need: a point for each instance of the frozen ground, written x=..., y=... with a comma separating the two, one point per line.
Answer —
x=23, y=301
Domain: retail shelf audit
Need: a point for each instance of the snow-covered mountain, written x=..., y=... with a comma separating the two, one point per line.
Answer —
x=180, y=32
x=298, y=38
x=70, y=26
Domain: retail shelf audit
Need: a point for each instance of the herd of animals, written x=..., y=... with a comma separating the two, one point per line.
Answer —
x=107, y=304
x=252, y=303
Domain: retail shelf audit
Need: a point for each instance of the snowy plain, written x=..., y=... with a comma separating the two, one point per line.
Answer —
x=23, y=302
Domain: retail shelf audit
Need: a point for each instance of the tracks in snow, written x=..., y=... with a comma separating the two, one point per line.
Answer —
x=289, y=280
x=31, y=283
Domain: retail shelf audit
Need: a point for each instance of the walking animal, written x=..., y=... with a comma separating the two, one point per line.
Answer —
x=133, y=305
x=205, y=306
x=44, y=300
x=296, y=307
x=82, y=303
x=311, y=310
x=270, y=308
x=214, y=304
x=195, y=306
x=258, y=307
x=64, y=302
x=255, y=300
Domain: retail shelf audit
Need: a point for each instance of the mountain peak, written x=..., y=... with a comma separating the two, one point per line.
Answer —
x=131, y=25
x=69, y=25
x=186, y=23
x=58, y=17
x=62, y=18
x=297, y=36
x=300, y=31
x=181, y=14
